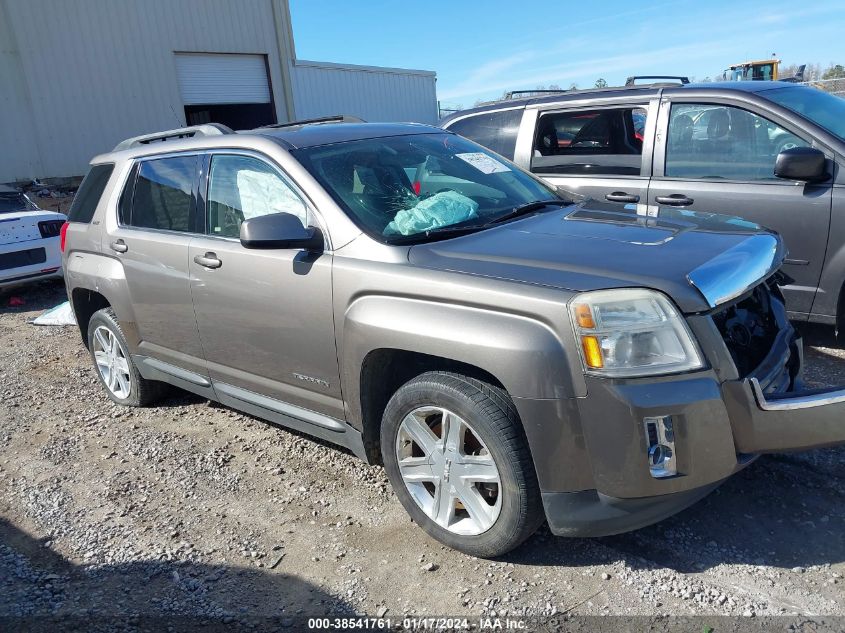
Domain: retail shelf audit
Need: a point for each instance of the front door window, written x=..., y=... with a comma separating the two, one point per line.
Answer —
x=243, y=187
x=711, y=141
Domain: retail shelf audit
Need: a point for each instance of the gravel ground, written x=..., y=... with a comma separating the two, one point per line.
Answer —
x=191, y=509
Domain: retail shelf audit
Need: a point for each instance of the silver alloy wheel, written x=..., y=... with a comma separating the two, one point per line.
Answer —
x=449, y=471
x=111, y=362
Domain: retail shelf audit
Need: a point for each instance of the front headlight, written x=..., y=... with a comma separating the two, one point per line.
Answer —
x=631, y=332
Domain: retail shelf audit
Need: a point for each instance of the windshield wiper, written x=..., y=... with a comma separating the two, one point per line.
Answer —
x=525, y=209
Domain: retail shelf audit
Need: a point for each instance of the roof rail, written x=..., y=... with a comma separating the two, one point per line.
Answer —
x=632, y=81
x=532, y=93
x=207, y=129
x=336, y=118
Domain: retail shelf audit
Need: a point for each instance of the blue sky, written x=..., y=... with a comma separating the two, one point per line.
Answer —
x=480, y=49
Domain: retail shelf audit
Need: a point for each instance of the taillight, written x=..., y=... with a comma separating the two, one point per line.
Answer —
x=50, y=228
x=63, y=235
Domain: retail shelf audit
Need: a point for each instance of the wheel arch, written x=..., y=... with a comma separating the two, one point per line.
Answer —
x=85, y=303
x=385, y=341
x=385, y=370
x=94, y=282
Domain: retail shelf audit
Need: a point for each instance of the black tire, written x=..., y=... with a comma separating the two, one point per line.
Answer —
x=494, y=419
x=142, y=392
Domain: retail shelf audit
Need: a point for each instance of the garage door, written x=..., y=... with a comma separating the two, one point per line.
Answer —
x=218, y=79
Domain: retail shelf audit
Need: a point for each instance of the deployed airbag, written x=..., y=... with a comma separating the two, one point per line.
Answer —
x=441, y=209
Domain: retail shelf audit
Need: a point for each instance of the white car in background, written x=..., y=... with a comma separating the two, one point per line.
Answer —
x=29, y=240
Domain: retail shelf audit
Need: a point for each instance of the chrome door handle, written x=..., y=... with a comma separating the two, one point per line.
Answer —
x=119, y=246
x=209, y=260
x=675, y=200
x=621, y=196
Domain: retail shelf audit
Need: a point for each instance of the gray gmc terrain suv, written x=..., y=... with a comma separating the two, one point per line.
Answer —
x=509, y=356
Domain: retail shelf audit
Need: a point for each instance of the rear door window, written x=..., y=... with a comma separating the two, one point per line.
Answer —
x=494, y=130
x=590, y=142
x=163, y=197
x=88, y=196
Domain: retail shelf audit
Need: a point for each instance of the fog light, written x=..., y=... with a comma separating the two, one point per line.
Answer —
x=660, y=446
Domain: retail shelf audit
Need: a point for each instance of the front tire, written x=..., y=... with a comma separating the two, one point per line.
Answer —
x=114, y=366
x=456, y=456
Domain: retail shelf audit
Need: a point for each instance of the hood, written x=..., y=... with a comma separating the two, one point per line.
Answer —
x=22, y=226
x=699, y=259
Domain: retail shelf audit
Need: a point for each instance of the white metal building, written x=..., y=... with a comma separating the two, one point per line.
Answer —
x=77, y=76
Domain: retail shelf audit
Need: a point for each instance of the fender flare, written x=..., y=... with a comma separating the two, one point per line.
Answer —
x=525, y=355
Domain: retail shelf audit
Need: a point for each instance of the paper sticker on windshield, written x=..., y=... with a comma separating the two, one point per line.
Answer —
x=483, y=163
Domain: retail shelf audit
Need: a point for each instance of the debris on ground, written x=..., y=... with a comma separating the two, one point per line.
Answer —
x=185, y=509
x=62, y=314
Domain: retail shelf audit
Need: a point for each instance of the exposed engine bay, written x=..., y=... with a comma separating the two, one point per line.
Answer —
x=750, y=326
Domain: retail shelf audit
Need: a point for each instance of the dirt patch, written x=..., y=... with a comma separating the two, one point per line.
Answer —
x=192, y=509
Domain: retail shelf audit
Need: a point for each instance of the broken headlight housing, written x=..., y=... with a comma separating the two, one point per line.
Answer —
x=632, y=332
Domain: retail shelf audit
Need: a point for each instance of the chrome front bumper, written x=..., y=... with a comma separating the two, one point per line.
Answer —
x=766, y=420
x=809, y=399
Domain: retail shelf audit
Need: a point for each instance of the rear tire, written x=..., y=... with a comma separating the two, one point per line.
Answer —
x=457, y=458
x=114, y=366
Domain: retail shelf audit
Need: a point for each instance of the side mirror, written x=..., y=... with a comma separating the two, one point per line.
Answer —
x=280, y=230
x=801, y=163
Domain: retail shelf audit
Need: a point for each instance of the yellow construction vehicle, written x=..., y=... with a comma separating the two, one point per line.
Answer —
x=762, y=70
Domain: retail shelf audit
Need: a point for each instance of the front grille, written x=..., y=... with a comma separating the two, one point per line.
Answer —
x=23, y=258
x=50, y=228
x=750, y=327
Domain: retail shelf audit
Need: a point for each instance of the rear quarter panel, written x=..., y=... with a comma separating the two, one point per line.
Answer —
x=89, y=267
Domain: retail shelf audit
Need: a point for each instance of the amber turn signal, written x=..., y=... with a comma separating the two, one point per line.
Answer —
x=592, y=352
x=584, y=315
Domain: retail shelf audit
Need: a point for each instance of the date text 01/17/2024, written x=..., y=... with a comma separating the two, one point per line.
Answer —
x=418, y=624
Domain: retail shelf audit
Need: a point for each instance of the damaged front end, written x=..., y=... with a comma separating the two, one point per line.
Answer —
x=769, y=407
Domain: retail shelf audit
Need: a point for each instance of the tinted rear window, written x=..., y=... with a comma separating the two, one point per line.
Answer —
x=162, y=198
x=493, y=130
x=86, y=199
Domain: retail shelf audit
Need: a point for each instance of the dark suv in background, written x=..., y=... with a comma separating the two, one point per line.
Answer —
x=770, y=152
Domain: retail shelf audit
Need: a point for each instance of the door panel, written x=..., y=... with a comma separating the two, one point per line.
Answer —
x=156, y=269
x=264, y=316
x=830, y=303
x=720, y=158
x=156, y=214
